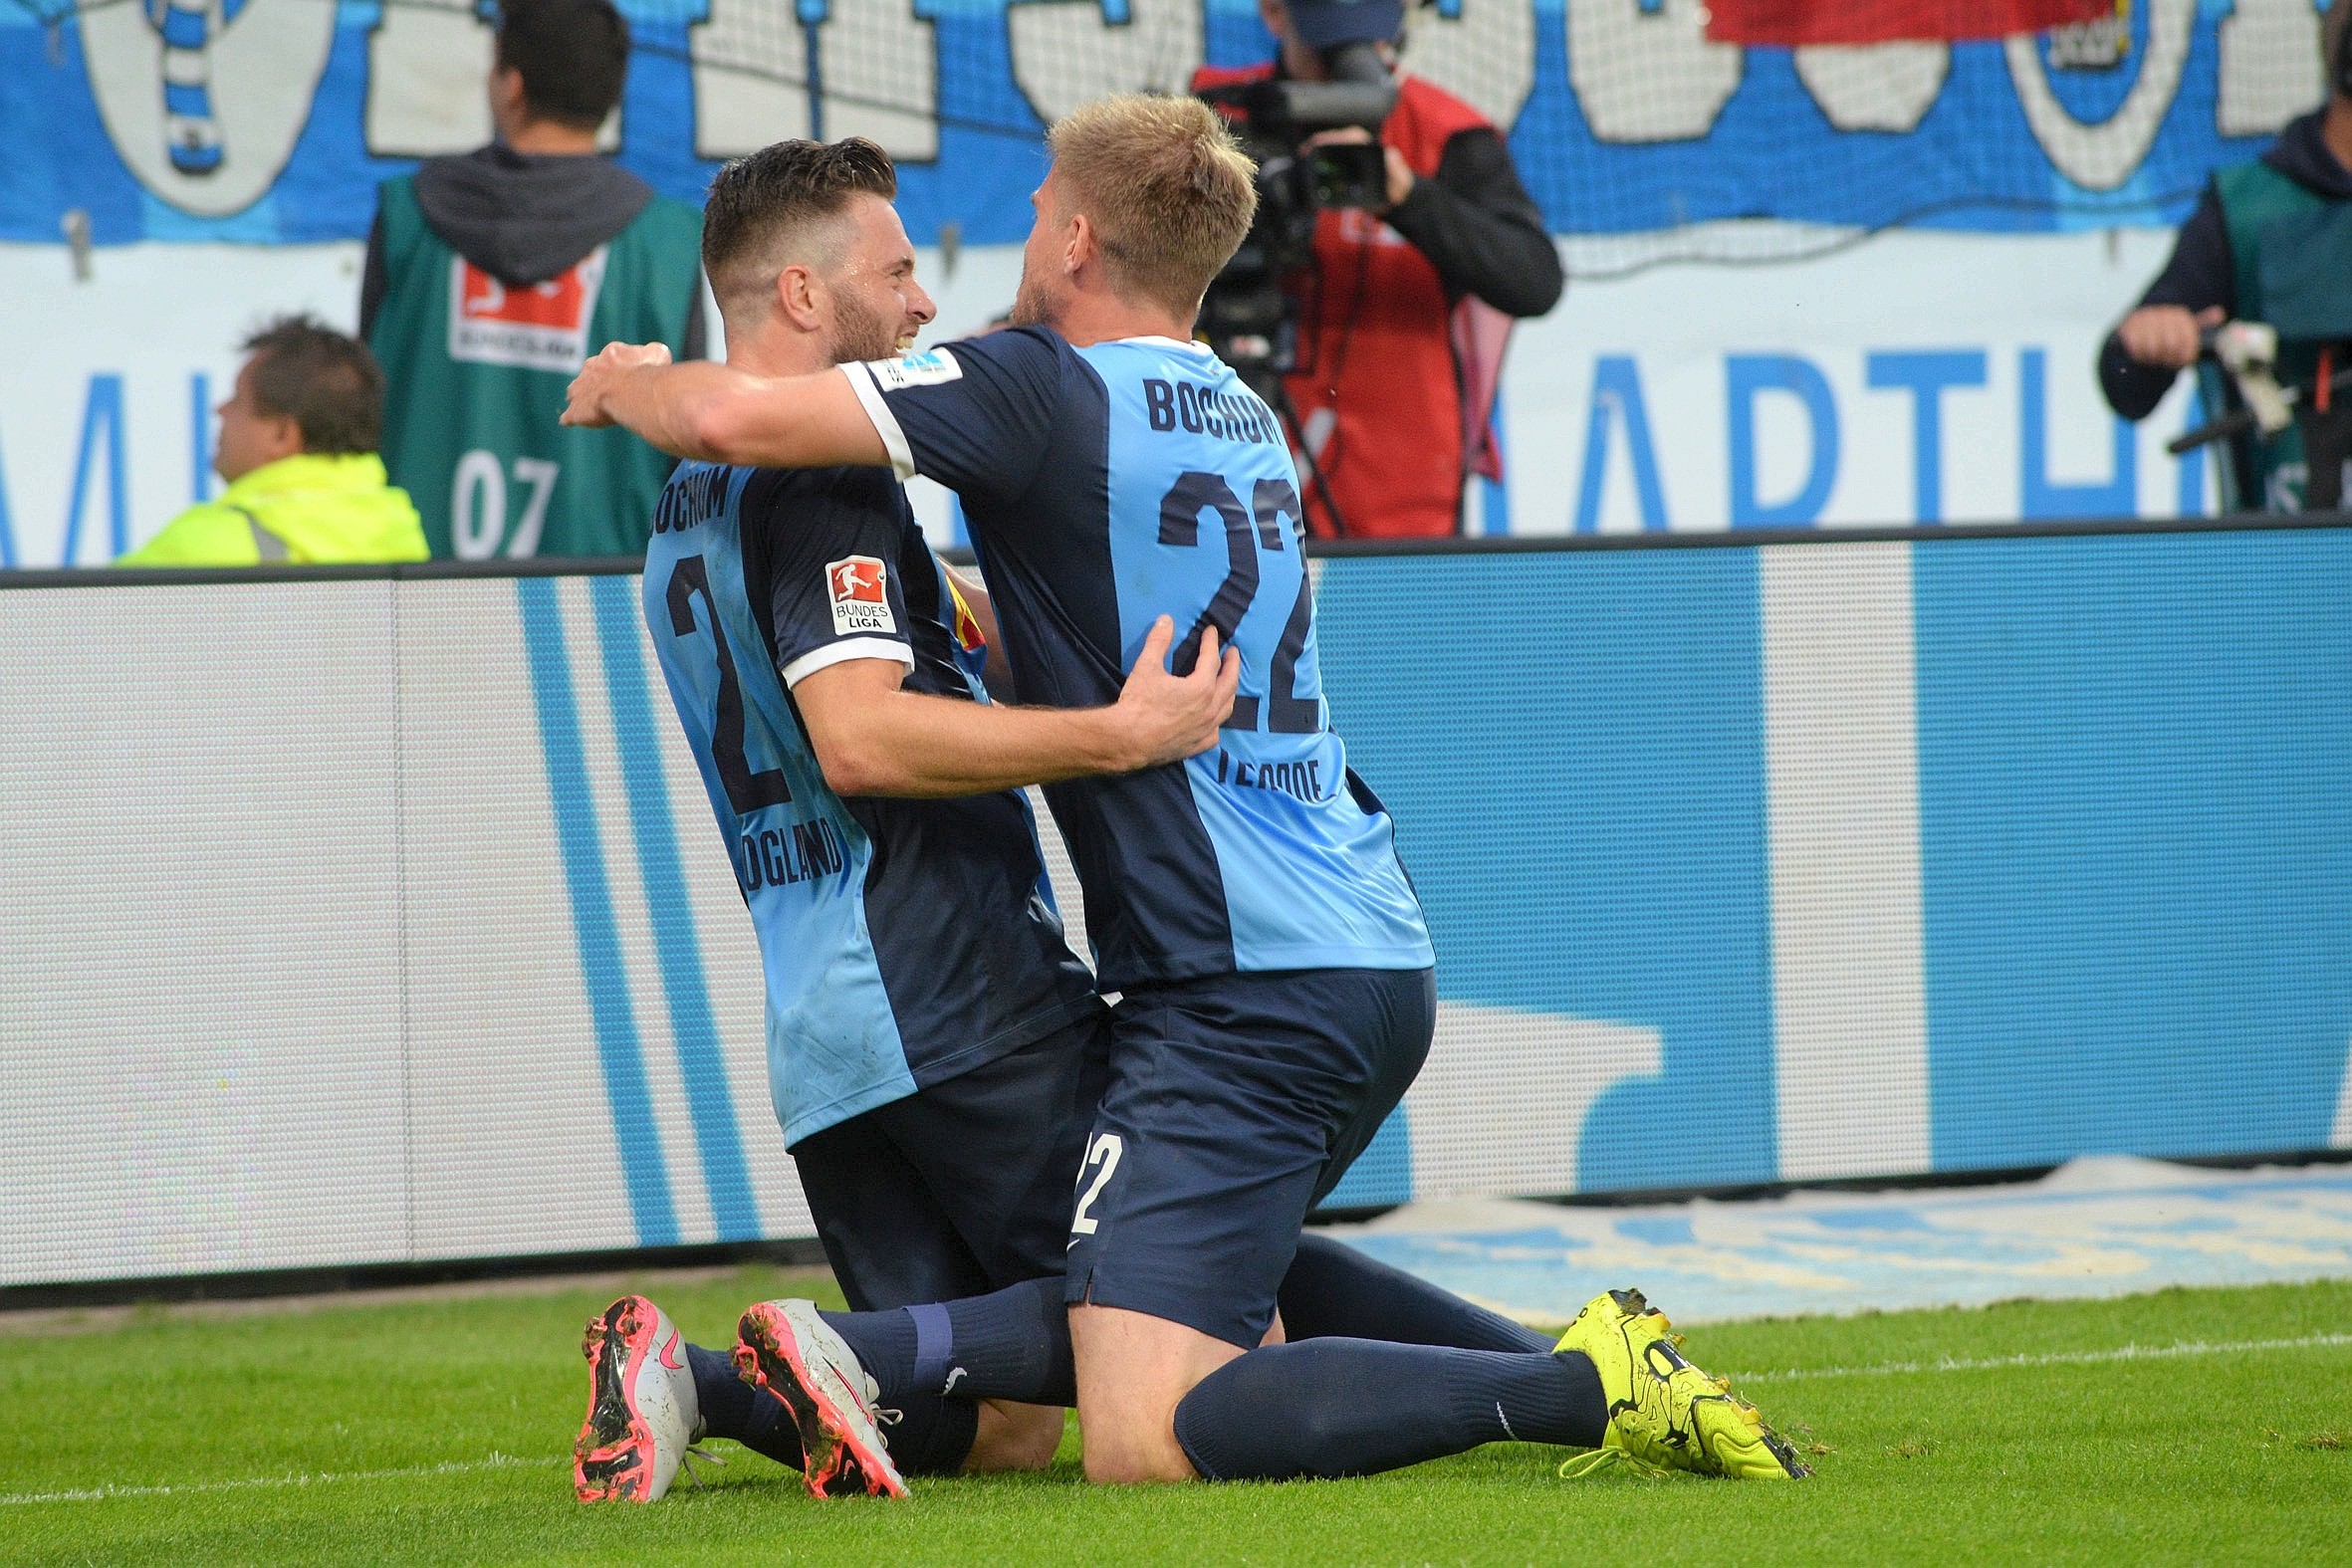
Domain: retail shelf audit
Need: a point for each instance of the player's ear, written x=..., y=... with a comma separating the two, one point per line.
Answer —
x=1079, y=245
x=799, y=296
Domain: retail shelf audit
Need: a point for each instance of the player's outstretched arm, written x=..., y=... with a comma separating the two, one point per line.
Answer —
x=719, y=414
x=874, y=736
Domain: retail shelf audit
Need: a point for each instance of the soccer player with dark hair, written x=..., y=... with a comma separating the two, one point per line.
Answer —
x=934, y=1048
x=1248, y=903
x=489, y=279
x=296, y=445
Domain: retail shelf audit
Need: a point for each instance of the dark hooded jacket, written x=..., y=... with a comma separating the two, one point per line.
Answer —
x=2202, y=274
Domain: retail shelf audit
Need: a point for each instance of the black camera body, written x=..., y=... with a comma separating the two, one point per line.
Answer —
x=1246, y=316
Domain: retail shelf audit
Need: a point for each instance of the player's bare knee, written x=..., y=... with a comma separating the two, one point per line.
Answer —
x=1134, y=1370
x=1130, y=1438
x=1037, y=1438
x=1139, y=1461
x=1015, y=1438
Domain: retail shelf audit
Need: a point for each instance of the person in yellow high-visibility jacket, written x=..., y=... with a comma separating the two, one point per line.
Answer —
x=298, y=446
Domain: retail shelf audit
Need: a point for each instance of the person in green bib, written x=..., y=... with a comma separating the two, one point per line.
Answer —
x=296, y=445
x=2271, y=240
x=492, y=276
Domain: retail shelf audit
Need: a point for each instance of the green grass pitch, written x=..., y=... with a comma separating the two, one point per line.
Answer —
x=434, y=1431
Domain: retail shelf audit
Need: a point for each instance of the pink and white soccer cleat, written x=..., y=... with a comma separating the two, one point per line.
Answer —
x=785, y=1349
x=642, y=1412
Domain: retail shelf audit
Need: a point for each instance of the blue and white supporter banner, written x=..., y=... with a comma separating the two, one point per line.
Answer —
x=1621, y=115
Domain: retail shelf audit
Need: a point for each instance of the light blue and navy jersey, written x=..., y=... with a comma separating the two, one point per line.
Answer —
x=904, y=941
x=1108, y=486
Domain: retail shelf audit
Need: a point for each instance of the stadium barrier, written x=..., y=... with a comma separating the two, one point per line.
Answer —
x=363, y=917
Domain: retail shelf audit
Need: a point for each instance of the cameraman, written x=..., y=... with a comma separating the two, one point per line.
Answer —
x=1403, y=314
x=2259, y=227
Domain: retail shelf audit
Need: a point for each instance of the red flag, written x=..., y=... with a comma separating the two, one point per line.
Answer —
x=1788, y=23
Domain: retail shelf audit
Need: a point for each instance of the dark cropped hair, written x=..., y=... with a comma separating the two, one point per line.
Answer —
x=766, y=200
x=573, y=55
x=329, y=385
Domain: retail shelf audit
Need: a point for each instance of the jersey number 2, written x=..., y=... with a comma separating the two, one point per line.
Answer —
x=1277, y=507
x=1102, y=1158
x=746, y=791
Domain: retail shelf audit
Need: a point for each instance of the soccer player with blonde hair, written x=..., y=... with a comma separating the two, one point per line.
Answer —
x=1276, y=980
x=933, y=1045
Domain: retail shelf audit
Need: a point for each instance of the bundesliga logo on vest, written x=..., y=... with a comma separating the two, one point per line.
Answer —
x=541, y=327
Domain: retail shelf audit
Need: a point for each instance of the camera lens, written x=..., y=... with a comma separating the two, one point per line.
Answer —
x=1355, y=62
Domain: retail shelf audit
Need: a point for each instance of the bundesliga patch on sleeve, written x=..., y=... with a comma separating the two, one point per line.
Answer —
x=928, y=368
x=860, y=602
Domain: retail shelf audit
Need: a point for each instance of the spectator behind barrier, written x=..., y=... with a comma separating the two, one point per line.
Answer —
x=296, y=445
x=2271, y=240
x=1401, y=345
x=491, y=276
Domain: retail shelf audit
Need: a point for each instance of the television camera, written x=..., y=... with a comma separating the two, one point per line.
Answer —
x=1247, y=318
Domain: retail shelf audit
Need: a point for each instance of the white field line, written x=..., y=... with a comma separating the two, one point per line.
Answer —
x=2059, y=1358
x=496, y=1461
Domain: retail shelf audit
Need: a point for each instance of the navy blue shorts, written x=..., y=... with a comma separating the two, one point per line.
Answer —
x=1236, y=1103
x=962, y=1188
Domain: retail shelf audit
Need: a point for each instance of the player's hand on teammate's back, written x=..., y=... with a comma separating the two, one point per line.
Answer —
x=1169, y=716
x=584, y=399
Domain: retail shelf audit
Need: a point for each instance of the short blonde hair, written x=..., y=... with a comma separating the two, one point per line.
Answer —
x=1169, y=191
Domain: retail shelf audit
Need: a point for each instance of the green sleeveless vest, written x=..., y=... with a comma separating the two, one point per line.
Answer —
x=2271, y=221
x=475, y=374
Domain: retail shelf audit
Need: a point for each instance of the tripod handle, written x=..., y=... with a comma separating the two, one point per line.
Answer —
x=2240, y=420
x=2231, y=425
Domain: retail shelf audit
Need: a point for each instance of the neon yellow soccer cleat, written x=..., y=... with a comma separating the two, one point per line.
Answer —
x=1663, y=1410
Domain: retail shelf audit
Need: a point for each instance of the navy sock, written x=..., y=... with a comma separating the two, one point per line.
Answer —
x=1356, y=1407
x=1333, y=1289
x=732, y=1408
x=932, y=1437
x=885, y=1342
x=1012, y=1344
